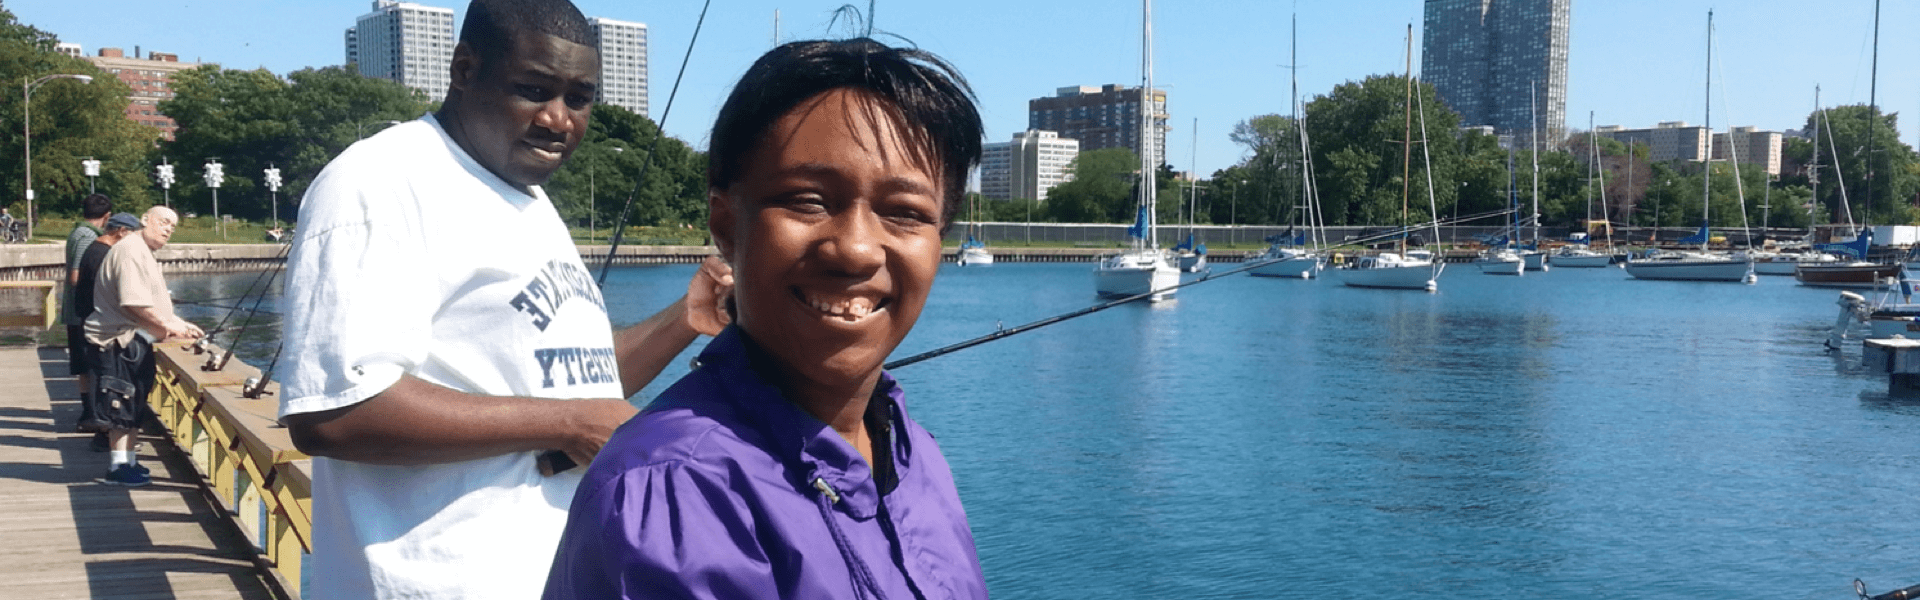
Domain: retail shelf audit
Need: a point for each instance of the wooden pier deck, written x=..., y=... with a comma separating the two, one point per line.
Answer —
x=62, y=535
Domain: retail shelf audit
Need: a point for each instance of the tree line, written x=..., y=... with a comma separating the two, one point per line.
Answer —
x=252, y=120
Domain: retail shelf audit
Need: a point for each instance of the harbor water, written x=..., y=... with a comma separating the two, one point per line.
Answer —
x=1566, y=434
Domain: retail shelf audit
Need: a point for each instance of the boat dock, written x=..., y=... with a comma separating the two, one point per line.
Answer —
x=63, y=535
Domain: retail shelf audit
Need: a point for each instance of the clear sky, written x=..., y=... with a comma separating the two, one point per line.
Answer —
x=1633, y=62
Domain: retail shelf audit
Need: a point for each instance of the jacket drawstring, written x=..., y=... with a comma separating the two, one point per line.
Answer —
x=863, y=582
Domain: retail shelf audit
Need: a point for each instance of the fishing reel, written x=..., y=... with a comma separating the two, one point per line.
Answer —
x=254, y=388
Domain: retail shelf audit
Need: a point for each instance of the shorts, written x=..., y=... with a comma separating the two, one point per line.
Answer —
x=122, y=379
x=77, y=349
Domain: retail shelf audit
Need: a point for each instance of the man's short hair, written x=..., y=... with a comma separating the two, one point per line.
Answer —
x=932, y=99
x=492, y=25
x=95, y=206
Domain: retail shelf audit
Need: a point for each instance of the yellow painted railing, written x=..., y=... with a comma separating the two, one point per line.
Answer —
x=247, y=458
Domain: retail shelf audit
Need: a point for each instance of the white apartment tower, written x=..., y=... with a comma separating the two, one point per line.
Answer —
x=405, y=42
x=1028, y=166
x=623, y=63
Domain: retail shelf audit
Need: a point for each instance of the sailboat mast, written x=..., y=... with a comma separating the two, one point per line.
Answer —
x=1706, y=175
x=1873, y=107
x=1406, y=148
x=1147, y=168
x=1193, y=181
x=1813, y=170
x=1533, y=134
x=1593, y=165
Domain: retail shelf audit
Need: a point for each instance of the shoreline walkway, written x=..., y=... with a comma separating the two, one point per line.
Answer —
x=63, y=535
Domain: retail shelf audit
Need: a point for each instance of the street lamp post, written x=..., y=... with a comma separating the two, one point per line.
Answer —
x=26, y=105
x=214, y=175
x=273, y=187
x=163, y=172
x=92, y=169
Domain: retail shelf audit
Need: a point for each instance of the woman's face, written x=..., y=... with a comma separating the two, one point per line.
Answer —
x=833, y=231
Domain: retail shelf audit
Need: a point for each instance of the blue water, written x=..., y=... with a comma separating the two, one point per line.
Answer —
x=1567, y=434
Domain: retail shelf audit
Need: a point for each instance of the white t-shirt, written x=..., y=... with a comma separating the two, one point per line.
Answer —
x=412, y=258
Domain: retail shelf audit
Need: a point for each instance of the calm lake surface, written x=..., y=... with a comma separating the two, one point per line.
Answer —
x=1571, y=433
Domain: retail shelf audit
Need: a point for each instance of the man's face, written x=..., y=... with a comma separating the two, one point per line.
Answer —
x=833, y=231
x=159, y=229
x=525, y=112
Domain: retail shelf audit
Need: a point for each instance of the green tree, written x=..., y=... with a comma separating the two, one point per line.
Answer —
x=599, y=178
x=1895, y=180
x=72, y=121
x=1365, y=169
x=252, y=120
x=1102, y=190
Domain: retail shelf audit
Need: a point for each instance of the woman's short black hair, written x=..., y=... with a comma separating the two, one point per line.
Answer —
x=491, y=25
x=933, y=101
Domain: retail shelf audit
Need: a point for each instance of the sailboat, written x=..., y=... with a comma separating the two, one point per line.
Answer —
x=1406, y=269
x=1703, y=265
x=973, y=252
x=1144, y=267
x=1857, y=272
x=1192, y=255
x=1580, y=253
x=1298, y=253
x=1531, y=254
x=1500, y=258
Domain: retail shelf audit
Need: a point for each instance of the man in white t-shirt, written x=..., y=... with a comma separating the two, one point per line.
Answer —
x=442, y=331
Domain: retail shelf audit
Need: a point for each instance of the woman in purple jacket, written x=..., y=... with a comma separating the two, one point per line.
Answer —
x=786, y=465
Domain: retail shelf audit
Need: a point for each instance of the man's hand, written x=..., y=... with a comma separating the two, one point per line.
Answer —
x=707, y=296
x=595, y=422
x=181, y=329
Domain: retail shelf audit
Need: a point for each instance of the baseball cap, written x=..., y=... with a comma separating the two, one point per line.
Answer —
x=123, y=221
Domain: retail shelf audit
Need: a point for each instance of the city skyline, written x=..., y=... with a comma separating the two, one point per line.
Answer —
x=1635, y=63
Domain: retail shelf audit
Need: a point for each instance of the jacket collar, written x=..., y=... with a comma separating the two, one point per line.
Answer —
x=809, y=447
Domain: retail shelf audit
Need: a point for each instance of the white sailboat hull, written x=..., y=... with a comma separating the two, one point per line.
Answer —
x=1691, y=269
x=970, y=257
x=1589, y=260
x=1502, y=263
x=1192, y=262
x=1536, y=260
x=1389, y=271
x=1135, y=273
x=1290, y=263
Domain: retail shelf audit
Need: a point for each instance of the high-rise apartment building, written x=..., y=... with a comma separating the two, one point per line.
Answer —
x=623, y=63
x=1102, y=117
x=149, y=81
x=1489, y=58
x=405, y=42
x=1028, y=166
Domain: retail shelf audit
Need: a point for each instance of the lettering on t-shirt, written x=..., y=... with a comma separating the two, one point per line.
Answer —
x=577, y=366
x=556, y=284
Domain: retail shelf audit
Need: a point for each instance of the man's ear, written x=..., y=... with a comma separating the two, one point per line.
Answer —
x=465, y=68
x=720, y=222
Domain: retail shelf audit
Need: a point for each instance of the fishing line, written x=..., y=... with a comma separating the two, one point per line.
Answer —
x=640, y=178
x=1003, y=333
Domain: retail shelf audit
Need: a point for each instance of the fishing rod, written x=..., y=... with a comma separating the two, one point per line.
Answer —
x=640, y=178
x=1907, y=593
x=1003, y=333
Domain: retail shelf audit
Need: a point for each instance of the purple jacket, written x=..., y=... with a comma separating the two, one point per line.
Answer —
x=723, y=489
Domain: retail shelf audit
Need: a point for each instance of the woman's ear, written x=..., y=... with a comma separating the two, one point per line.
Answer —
x=720, y=222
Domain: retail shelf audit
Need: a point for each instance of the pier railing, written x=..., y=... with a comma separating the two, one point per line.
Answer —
x=246, y=457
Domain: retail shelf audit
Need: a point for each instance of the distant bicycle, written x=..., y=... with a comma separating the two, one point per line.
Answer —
x=13, y=231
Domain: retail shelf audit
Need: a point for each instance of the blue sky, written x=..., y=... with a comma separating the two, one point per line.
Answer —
x=1632, y=62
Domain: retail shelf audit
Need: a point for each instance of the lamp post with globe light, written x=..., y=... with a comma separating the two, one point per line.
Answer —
x=92, y=169
x=273, y=186
x=215, y=174
x=26, y=104
x=163, y=173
